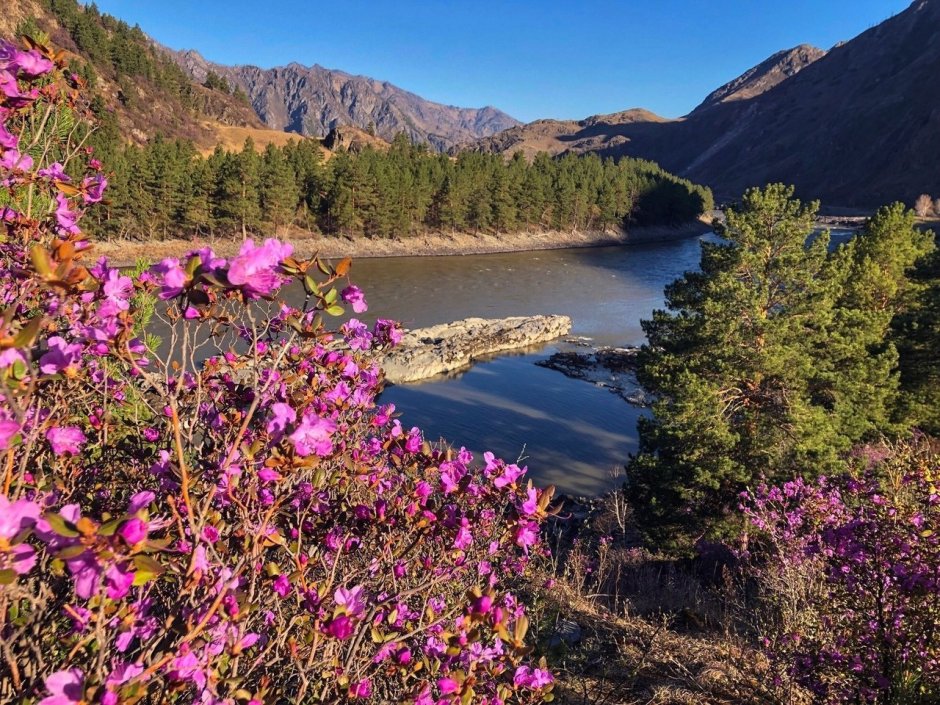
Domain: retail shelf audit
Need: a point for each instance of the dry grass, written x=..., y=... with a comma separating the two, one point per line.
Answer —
x=232, y=137
x=650, y=631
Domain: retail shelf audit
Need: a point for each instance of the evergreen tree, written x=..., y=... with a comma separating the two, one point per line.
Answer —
x=280, y=192
x=742, y=364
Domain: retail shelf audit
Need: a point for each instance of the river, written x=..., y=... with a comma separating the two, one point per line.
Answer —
x=568, y=432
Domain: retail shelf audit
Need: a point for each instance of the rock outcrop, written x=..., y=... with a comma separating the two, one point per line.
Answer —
x=613, y=369
x=426, y=352
x=312, y=100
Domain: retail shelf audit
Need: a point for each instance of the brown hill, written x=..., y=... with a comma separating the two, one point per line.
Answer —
x=145, y=92
x=858, y=125
x=312, y=100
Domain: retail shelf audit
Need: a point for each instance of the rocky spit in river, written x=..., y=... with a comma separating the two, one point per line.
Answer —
x=428, y=352
x=608, y=367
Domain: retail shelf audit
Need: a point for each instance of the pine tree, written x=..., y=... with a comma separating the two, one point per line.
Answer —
x=280, y=192
x=740, y=363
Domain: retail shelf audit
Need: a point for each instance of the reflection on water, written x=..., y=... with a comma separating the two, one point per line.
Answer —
x=570, y=432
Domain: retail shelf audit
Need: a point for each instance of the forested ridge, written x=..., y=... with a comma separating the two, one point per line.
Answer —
x=165, y=187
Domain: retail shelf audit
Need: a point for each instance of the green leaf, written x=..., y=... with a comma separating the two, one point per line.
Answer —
x=40, y=259
x=310, y=285
x=331, y=296
x=28, y=333
x=335, y=310
x=7, y=577
x=60, y=525
x=147, y=569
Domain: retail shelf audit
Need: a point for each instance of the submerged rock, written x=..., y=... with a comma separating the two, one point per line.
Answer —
x=611, y=368
x=426, y=352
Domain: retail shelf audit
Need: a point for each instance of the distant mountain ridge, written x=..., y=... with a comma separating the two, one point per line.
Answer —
x=312, y=100
x=858, y=125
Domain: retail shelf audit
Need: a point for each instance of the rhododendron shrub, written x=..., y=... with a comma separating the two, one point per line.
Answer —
x=851, y=571
x=224, y=515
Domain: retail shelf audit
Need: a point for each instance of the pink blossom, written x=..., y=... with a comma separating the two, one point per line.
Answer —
x=361, y=689
x=447, y=686
x=54, y=171
x=65, y=216
x=170, y=276
x=134, y=531
x=65, y=439
x=340, y=627
x=7, y=139
x=31, y=63
x=313, y=435
x=510, y=474
x=531, y=505
x=352, y=599
x=16, y=517
x=12, y=160
x=93, y=188
x=65, y=688
x=527, y=534
x=532, y=678
x=282, y=416
x=62, y=357
x=353, y=295
x=256, y=268
x=281, y=586
x=117, y=581
x=8, y=430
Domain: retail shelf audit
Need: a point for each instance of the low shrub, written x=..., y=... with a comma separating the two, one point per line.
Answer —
x=224, y=514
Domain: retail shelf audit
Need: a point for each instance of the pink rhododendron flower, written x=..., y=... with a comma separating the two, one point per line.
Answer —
x=7, y=139
x=361, y=689
x=31, y=63
x=8, y=430
x=447, y=686
x=531, y=505
x=313, y=435
x=12, y=160
x=134, y=531
x=65, y=216
x=353, y=295
x=532, y=678
x=282, y=416
x=511, y=473
x=93, y=188
x=340, y=627
x=65, y=439
x=352, y=599
x=54, y=171
x=16, y=517
x=281, y=586
x=65, y=688
x=170, y=276
x=117, y=582
x=62, y=357
x=256, y=268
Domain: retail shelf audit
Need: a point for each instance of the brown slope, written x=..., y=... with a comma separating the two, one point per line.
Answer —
x=314, y=100
x=143, y=107
x=764, y=76
x=858, y=126
x=598, y=133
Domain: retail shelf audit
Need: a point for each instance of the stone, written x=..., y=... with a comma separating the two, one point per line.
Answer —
x=427, y=352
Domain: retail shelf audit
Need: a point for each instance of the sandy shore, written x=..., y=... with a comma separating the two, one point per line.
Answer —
x=307, y=244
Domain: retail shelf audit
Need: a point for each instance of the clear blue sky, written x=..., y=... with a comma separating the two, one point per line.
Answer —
x=538, y=58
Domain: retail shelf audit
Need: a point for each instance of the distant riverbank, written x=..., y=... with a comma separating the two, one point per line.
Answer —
x=307, y=244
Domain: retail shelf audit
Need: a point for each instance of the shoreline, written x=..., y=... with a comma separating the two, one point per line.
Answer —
x=431, y=245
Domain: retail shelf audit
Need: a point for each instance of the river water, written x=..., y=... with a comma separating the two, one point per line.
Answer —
x=569, y=432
